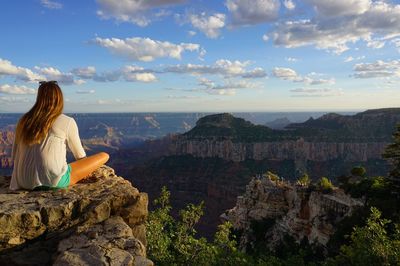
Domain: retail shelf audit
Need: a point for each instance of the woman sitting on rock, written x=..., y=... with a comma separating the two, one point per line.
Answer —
x=39, y=151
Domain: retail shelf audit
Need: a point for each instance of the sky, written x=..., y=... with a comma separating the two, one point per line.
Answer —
x=202, y=56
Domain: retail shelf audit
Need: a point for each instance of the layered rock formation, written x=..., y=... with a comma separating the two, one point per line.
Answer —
x=299, y=150
x=336, y=139
x=99, y=221
x=293, y=210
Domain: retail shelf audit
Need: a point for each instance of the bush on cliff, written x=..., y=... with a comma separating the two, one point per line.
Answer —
x=325, y=184
x=174, y=241
x=358, y=171
x=271, y=176
x=372, y=244
x=304, y=180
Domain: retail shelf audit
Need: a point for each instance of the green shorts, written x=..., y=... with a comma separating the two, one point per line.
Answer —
x=63, y=183
x=65, y=179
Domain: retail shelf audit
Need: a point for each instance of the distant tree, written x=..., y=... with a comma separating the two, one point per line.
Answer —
x=392, y=152
x=304, y=180
x=358, y=171
x=325, y=184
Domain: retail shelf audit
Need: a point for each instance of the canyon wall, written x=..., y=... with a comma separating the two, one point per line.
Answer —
x=298, y=150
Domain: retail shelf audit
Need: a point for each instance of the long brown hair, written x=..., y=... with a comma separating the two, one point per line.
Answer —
x=33, y=126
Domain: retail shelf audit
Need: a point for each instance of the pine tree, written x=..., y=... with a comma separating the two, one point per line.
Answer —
x=392, y=152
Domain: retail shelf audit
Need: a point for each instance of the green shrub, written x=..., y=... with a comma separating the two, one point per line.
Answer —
x=272, y=176
x=325, y=184
x=174, y=241
x=304, y=180
x=358, y=171
x=371, y=244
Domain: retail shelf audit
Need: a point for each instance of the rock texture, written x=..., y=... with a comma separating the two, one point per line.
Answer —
x=6, y=140
x=99, y=221
x=292, y=210
x=299, y=150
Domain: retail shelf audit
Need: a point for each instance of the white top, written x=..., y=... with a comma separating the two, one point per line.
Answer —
x=44, y=164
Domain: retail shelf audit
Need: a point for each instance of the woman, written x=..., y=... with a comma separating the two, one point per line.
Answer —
x=39, y=150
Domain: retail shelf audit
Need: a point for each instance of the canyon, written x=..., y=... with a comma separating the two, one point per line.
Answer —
x=215, y=158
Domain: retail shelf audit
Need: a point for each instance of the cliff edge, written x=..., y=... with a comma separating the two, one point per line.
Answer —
x=99, y=221
x=281, y=208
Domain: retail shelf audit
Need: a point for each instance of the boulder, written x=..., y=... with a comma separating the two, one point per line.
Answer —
x=99, y=221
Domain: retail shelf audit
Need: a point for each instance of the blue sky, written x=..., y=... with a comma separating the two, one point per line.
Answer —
x=177, y=55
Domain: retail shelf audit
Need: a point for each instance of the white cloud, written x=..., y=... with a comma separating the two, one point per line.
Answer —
x=286, y=74
x=292, y=34
x=227, y=89
x=291, y=59
x=378, y=69
x=182, y=97
x=84, y=72
x=15, y=89
x=289, y=4
x=308, y=92
x=133, y=11
x=130, y=73
x=210, y=25
x=250, y=12
x=13, y=100
x=257, y=72
x=192, y=33
x=222, y=67
x=333, y=8
x=338, y=23
x=85, y=91
x=52, y=73
x=145, y=49
x=375, y=44
x=51, y=4
x=21, y=73
x=396, y=43
x=231, y=67
x=108, y=76
x=291, y=75
x=350, y=58
x=101, y=102
x=135, y=73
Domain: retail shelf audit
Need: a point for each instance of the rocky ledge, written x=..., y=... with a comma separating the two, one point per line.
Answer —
x=289, y=209
x=99, y=221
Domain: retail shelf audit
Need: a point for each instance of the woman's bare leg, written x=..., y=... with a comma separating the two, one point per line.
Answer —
x=84, y=167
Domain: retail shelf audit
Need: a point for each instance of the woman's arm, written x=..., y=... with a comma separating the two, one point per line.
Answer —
x=74, y=142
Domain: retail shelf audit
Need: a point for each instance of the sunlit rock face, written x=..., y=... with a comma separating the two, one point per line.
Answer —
x=293, y=210
x=99, y=221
